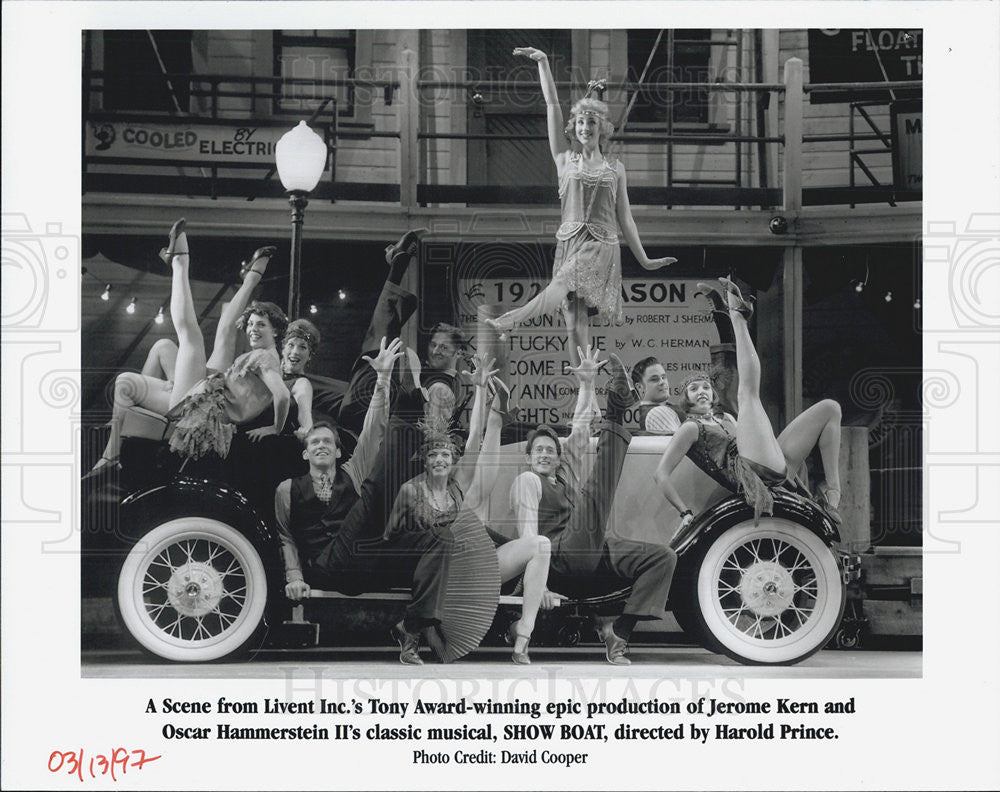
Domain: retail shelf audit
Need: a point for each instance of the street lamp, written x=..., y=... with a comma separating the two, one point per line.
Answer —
x=300, y=155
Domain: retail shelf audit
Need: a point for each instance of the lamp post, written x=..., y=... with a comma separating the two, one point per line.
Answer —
x=300, y=156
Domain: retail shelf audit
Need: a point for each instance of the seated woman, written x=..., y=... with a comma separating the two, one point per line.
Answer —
x=451, y=487
x=300, y=342
x=742, y=453
x=152, y=388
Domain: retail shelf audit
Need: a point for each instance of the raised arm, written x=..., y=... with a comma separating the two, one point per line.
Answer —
x=629, y=230
x=377, y=415
x=481, y=373
x=579, y=438
x=557, y=133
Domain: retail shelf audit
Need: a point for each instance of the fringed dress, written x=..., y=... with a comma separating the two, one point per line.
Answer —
x=210, y=413
x=715, y=452
x=588, y=257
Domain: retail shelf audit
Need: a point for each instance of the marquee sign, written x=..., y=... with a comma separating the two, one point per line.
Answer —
x=663, y=318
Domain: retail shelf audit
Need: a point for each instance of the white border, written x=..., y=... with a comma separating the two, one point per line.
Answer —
x=937, y=732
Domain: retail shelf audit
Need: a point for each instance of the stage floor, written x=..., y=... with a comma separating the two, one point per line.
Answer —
x=494, y=663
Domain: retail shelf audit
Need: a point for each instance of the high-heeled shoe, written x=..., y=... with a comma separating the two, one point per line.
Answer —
x=409, y=645
x=499, y=392
x=519, y=658
x=102, y=464
x=171, y=250
x=260, y=256
x=411, y=237
x=823, y=501
x=735, y=300
x=720, y=296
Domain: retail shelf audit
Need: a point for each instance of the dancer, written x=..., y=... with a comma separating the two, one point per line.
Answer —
x=300, y=342
x=152, y=391
x=656, y=414
x=547, y=500
x=340, y=539
x=742, y=453
x=450, y=488
x=332, y=486
x=209, y=405
x=593, y=193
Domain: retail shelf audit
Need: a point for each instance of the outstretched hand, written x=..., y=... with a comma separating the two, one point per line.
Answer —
x=387, y=355
x=655, y=264
x=482, y=370
x=531, y=52
x=589, y=364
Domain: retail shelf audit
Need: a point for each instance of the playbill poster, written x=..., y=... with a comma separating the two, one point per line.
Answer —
x=248, y=543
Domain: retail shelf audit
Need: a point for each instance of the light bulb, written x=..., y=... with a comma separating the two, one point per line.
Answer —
x=106, y=294
x=159, y=316
x=888, y=296
x=131, y=307
x=313, y=309
x=859, y=288
x=342, y=294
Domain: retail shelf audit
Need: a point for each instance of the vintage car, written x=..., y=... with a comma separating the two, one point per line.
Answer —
x=198, y=573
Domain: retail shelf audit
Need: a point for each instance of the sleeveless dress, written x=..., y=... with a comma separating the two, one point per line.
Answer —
x=715, y=453
x=588, y=257
x=210, y=413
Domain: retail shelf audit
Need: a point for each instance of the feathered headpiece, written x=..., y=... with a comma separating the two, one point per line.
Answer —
x=437, y=433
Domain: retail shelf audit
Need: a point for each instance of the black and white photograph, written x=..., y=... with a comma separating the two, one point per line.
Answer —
x=500, y=406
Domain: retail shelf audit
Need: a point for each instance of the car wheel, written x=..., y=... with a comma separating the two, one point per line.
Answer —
x=193, y=590
x=770, y=593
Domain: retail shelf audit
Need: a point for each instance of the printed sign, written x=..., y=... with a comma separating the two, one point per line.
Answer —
x=663, y=319
x=839, y=55
x=222, y=143
x=908, y=145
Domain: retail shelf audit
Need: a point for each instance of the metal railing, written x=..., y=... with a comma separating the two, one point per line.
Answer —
x=407, y=96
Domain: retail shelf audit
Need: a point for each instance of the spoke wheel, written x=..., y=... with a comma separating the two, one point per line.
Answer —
x=770, y=593
x=192, y=589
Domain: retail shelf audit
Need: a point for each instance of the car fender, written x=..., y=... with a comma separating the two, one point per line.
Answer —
x=185, y=496
x=733, y=510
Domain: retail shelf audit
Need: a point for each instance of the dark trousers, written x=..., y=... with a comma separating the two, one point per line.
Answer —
x=584, y=561
x=394, y=307
x=357, y=559
x=577, y=549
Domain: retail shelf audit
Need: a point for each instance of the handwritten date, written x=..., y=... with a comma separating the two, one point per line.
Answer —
x=116, y=763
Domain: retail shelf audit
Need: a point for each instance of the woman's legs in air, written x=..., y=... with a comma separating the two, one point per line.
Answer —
x=754, y=436
x=190, y=344
x=224, y=348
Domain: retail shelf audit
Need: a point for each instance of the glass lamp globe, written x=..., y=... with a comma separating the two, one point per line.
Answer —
x=301, y=157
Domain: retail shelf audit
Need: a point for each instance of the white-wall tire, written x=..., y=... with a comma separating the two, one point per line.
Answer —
x=771, y=593
x=193, y=589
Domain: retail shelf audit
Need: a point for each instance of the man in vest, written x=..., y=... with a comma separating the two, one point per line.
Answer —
x=655, y=412
x=548, y=500
x=331, y=520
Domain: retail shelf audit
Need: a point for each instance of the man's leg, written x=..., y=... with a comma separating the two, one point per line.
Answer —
x=394, y=307
x=649, y=568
